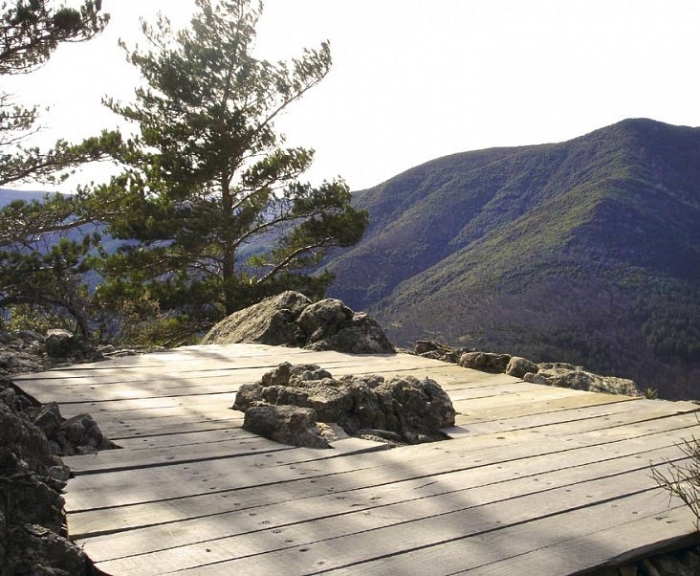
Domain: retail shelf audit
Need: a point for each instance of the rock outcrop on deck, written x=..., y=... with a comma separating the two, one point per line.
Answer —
x=288, y=404
x=292, y=319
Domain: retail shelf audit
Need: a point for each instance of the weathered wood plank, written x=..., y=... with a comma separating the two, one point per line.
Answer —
x=471, y=486
x=506, y=551
x=468, y=414
x=119, y=429
x=615, y=412
x=314, y=478
x=434, y=525
x=569, y=552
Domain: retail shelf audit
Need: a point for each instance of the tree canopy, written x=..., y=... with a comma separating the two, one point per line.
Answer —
x=37, y=266
x=31, y=32
x=212, y=203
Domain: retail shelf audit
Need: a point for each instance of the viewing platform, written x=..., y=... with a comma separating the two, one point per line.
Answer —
x=535, y=479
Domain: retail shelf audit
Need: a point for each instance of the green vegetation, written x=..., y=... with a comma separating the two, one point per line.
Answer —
x=209, y=207
x=586, y=251
x=682, y=478
x=40, y=268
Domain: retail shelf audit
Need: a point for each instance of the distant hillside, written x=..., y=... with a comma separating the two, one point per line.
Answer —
x=7, y=196
x=586, y=251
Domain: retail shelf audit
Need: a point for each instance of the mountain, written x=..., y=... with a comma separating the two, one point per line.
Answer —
x=586, y=251
x=7, y=196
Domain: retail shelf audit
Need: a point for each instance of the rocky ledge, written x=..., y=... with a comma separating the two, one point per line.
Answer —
x=33, y=438
x=548, y=373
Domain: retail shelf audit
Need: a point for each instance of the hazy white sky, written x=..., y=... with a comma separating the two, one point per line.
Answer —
x=414, y=80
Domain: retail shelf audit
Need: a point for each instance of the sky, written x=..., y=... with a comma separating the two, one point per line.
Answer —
x=414, y=80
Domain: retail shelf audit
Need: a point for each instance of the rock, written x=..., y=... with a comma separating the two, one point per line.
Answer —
x=548, y=374
x=32, y=475
x=32, y=521
x=670, y=566
x=409, y=410
x=518, y=367
x=485, y=361
x=49, y=419
x=272, y=321
x=436, y=351
x=25, y=351
x=322, y=318
x=291, y=319
x=21, y=440
x=35, y=550
x=569, y=376
x=80, y=435
x=286, y=424
x=416, y=408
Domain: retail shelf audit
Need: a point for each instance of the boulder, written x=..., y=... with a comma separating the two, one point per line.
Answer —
x=404, y=410
x=518, y=367
x=485, y=361
x=32, y=476
x=272, y=321
x=80, y=435
x=437, y=351
x=285, y=424
x=27, y=351
x=291, y=319
x=35, y=550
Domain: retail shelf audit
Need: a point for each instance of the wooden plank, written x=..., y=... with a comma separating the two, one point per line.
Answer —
x=639, y=537
x=181, y=439
x=614, y=412
x=464, y=486
x=469, y=415
x=189, y=402
x=116, y=460
x=429, y=524
x=484, y=448
x=493, y=447
x=508, y=551
x=266, y=482
x=118, y=429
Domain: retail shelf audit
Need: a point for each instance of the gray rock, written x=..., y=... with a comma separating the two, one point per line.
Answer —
x=35, y=550
x=285, y=424
x=272, y=321
x=291, y=319
x=360, y=335
x=319, y=319
x=437, y=351
x=485, y=361
x=407, y=408
x=518, y=367
x=569, y=376
x=80, y=434
x=48, y=418
x=61, y=343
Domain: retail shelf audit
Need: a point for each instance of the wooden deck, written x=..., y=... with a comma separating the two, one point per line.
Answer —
x=538, y=479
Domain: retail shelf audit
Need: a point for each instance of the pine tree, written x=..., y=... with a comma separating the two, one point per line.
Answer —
x=37, y=268
x=209, y=193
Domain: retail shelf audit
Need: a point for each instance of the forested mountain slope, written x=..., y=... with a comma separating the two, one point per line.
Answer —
x=586, y=251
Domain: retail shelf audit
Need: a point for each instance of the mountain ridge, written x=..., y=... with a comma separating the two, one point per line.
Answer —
x=477, y=246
